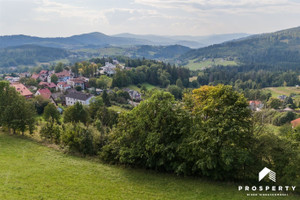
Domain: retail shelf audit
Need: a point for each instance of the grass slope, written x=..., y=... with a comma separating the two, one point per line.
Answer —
x=31, y=171
x=197, y=64
x=277, y=91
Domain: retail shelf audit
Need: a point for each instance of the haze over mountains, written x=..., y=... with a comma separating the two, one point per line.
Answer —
x=278, y=48
x=96, y=40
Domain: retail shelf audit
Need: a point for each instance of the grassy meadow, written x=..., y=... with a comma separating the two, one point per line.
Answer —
x=30, y=170
x=195, y=65
x=277, y=91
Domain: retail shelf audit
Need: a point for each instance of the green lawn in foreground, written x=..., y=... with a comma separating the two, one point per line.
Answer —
x=29, y=170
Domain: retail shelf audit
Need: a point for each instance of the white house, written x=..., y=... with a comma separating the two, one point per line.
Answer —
x=74, y=96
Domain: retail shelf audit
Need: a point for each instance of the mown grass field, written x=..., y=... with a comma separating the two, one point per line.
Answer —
x=277, y=91
x=147, y=85
x=193, y=65
x=29, y=170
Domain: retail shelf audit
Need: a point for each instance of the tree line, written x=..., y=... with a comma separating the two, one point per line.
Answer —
x=210, y=133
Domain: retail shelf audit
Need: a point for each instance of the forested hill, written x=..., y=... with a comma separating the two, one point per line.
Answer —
x=282, y=47
x=29, y=55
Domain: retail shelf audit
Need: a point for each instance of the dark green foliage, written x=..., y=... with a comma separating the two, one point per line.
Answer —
x=221, y=139
x=54, y=78
x=107, y=117
x=176, y=91
x=39, y=103
x=29, y=55
x=51, y=132
x=59, y=67
x=15, y=112
x=251, y=76
x=51, y=113
x=274, y=103
x=283, y=118
x=149, y=135
x=105, y=98
x=76, y=113
x=78, y=138
x=153, y=72
x=78, y=88
x=280, y=48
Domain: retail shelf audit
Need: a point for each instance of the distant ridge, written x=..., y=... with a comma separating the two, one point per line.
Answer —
x=98, y=40
x=278, y=48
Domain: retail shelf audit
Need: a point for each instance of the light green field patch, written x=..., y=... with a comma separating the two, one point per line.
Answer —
x=29, y=170
x=194, y=65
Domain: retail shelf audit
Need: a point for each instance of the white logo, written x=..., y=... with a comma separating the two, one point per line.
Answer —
x=266, y=171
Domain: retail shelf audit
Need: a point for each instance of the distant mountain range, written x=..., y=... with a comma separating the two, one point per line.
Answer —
x=278, y=48
x=98, y=40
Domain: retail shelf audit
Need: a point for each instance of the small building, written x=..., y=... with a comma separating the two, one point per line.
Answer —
x=48, y=85
x=45, y=93
x=134, y=95
x=295, y=123
x=282, y=97
x=256, y=105
x=109, y=69
x=35, y=76
x=62, y=86
x=22, y=90
x=80, y=81
x=74, y=96
x=63, y=76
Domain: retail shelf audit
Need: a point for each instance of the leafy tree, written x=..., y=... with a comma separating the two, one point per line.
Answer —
x=95, y=105
x=54, y=79
x=105, y=98
x=78, y=88
x=79, y=138
x=76, y=113
x=59, y=67
x=51, y=112
x=274, y=103
x=176, y=91
x=149, y=135
x=179, y=83
x=51, y=131
x=221, y=139
x=16, y=113
x=39, y=103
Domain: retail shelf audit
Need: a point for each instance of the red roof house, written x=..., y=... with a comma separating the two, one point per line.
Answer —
x=35, y=76
x=22, y=90
x=46, y=93
x=46, y=84
x=295, y=123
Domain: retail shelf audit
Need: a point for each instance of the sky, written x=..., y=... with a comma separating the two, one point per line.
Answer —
x=61, y=18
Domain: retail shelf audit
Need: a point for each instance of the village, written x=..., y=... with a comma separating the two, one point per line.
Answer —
x=67, y=88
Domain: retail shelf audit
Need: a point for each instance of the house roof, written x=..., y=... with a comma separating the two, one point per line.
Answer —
x=64, y=84
x=64, y=73
x=78, y=95
x=21, y=89
x=255, y=102
x=50, y=85
x=46, y=93
x=43, y=72
x=35, y=76
x=77, y=80
x=295, y=122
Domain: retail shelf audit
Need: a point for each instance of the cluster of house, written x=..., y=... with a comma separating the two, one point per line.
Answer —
x=64, y=91
x=66, y=84
x=110, y=68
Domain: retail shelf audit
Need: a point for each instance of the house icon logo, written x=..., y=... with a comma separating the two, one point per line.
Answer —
x=265, y=172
